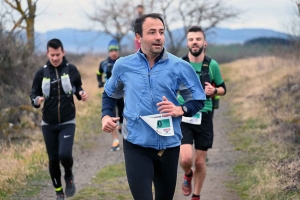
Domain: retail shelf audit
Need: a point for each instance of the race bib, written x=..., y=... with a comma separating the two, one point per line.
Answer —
x=162, y=125
x=196, y=119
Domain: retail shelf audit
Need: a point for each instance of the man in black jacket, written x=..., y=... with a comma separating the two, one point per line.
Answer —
x=54, y=84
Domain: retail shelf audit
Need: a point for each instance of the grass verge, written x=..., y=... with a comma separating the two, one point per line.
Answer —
x=263, y=107
x=110, y=183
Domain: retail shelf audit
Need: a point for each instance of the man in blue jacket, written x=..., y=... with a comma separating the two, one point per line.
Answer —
x=149, y=80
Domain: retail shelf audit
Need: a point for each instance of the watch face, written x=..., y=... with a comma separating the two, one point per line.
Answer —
x=184, y=108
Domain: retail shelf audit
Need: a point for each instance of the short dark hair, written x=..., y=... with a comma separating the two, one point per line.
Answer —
x=140, y=6
x=196, y=29
x=138, y=24
x=55, y=44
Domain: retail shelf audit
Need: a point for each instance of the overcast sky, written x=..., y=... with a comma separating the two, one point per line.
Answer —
x=269, y=14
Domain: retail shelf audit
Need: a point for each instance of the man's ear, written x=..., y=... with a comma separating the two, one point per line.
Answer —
x=138, y=38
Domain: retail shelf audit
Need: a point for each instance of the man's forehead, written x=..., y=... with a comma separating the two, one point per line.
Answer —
x=151, y=23
x=54, y=51
x=195, y=34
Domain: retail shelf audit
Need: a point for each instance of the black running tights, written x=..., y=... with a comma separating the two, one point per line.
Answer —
x=59, y=141
x=144, y=166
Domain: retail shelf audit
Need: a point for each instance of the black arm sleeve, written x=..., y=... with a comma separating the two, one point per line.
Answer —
x=223, y=86
x=108, y=105
x=36, y=89
x=77, y=83
x=99, y=75
x=193, y=106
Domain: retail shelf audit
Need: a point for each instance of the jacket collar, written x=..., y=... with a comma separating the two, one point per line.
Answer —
x=162, y=56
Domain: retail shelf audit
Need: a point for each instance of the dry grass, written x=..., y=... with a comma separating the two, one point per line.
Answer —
x=264, y=98
x=17, y=163
x=88, y=68
x=89, y=113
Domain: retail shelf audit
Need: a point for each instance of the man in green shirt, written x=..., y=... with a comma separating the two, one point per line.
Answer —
x=199, y=129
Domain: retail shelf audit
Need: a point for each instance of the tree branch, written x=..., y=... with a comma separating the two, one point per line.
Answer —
x=16, y=24
x=11, y=5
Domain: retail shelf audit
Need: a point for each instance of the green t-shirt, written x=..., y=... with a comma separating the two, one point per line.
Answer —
x=215, y=75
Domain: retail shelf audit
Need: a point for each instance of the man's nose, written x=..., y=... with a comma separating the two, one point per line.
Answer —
x=158, y=36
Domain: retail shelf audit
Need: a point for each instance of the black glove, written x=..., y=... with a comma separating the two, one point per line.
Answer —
x=100, y=84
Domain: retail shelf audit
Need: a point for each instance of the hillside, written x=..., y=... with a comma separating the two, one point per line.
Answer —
x=80, y=41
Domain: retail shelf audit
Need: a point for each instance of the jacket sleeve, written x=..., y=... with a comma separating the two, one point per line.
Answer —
x=193, y=106
x=99, y=75
x=114, y=85
x=36, y=89
x=108, y=105
x=190, y=87
x=77, y=83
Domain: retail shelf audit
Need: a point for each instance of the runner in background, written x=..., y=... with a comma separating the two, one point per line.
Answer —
x=199, y=129
x=105, y=71
x=140, y=12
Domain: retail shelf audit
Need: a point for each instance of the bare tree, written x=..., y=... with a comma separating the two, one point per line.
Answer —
x=298, y=5
x=115, y=17
x=188, y=13
x=294, y=24
x=27, y=15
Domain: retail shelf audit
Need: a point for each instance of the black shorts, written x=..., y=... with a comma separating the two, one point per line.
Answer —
x=203, y=134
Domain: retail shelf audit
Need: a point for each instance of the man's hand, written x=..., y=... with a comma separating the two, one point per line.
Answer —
x=40, y=100
x=167, y=108
x=109, y=123
x=100, y=84
x=209, y=89
x=83, y=95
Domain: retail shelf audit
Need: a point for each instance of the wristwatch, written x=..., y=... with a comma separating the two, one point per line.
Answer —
x=184, y=109
x=216, y=91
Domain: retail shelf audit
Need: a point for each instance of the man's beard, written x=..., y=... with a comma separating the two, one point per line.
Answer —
x=197, y=53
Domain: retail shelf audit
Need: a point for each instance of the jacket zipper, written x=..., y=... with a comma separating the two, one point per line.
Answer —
x=149, y=78
x=58, y=91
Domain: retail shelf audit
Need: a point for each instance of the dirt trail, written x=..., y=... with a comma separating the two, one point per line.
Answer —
x=221, y=160
x=88, y=162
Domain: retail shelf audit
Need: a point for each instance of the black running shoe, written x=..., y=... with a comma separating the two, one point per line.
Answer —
x=70, y=187
x=60, y=196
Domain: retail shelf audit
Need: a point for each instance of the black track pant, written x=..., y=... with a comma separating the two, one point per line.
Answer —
x=59, y=141
x=144, y=166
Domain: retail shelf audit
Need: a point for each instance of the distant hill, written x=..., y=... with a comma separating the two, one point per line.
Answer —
x=239, y=36
x=269, y=41
x=80, y=41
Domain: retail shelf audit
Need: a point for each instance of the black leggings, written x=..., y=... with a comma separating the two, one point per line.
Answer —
x=144, y=165
x=59, y=141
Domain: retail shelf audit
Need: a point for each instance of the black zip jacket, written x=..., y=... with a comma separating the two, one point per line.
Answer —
x=58, y=107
